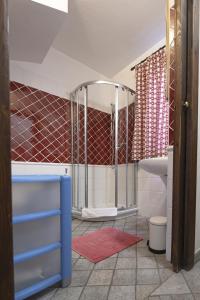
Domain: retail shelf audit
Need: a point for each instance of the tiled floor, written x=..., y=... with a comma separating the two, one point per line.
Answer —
x=133, y=274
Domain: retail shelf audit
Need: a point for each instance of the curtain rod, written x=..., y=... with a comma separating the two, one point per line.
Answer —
x=133, y=68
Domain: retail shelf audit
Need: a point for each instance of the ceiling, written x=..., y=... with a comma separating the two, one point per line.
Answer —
x=31, y=30
x=106, y=35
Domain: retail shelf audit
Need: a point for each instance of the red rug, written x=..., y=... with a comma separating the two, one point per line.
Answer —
x=103, y=243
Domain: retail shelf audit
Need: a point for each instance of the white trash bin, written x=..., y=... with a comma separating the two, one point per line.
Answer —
x=157, y=234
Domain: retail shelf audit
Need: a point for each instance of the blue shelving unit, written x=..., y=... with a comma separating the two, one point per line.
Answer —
x=64, y=245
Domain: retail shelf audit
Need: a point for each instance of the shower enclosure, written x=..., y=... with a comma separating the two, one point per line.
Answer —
x=103, y=173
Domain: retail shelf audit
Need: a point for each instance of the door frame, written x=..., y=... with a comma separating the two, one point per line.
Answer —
x=185, y=134
x=6, y=246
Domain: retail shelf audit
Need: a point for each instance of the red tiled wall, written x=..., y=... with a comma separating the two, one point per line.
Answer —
x=99, y=144
x=40, y=126
x=99, y=137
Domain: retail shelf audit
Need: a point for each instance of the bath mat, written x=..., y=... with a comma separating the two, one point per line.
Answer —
x=103, y=243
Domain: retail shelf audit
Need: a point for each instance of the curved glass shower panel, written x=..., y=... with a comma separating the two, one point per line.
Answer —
x=78, y=149
x=102, y=129
x=122, y=147
x=99, y=147
x=126, y=177
x=132, y=166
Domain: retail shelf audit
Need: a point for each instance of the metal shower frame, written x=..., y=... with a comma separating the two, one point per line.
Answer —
x=84, y=87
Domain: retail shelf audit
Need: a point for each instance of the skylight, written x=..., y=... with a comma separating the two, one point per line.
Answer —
x=57, y=4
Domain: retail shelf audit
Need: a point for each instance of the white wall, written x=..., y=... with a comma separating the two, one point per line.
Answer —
x=59, y=74
x=146, y=190
x=151, y=197
x=126, y=76
x=197, y=241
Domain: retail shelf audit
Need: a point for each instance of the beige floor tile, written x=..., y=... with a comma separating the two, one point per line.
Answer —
x=83, y=264
x=176, y=284
x=128, y=252
x=143, y=291
x=146, y=262
x=79, y=278
x=148, y=276
x=124, y=277
x=126, y=263
x=165, y=274
x=193, y=279
x=144, y=251
x=70, y=293
x=100, y=277
x=106, y=264
x=122, y=292
x=95, y=292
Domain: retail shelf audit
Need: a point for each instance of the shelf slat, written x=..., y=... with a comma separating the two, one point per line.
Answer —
x=38, y=287
x=36, y=216
x=18, y=258
x=35, y=178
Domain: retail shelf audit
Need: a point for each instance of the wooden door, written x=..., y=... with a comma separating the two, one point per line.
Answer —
x=185, y=139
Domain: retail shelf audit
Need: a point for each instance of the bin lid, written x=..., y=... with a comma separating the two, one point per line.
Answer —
x=158, y=220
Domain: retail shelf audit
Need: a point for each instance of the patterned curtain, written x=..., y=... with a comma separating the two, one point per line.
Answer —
x=150, y=137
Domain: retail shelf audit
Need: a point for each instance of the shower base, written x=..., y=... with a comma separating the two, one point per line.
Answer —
x=121, y=213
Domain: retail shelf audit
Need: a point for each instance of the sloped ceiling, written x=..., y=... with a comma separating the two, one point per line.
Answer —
x=32, y=29
x=105, y=35
x=108, y=35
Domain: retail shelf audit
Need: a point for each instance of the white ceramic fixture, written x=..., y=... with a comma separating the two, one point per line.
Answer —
x=157, y=165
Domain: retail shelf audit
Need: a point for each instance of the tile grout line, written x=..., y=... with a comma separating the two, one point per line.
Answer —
x=88, y=270
x=93, y=270
x=52, y=297
x=170, y=295
x=187, y=284
x=156, y=265
x=149, y=269
x=113, y=275
x=85, y=285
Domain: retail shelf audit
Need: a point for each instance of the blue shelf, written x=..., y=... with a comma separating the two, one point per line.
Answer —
x=18, y=258
x=36, y=216
x=64, y=244
x=35, y=178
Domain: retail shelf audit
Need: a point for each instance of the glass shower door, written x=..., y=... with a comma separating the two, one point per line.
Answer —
x=125, y=169
x=78, y=150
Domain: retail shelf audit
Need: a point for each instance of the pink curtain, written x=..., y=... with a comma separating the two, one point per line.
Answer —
x=150, y=137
